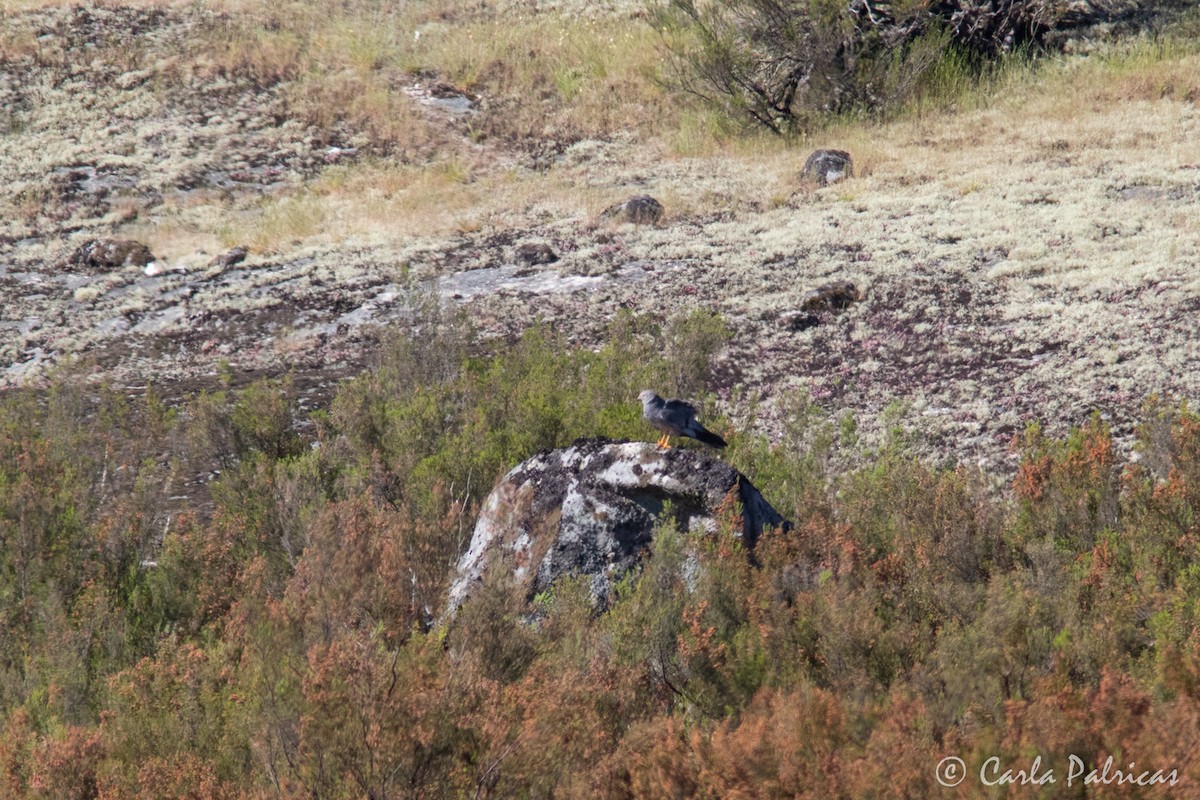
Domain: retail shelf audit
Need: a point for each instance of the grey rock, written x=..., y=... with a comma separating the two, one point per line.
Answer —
x=590, y=510
x=107, y=254
x=229, y=258
x=824, y=167
x=833, y=296
x=534, y=254
x=641, y=209
x=797, y=321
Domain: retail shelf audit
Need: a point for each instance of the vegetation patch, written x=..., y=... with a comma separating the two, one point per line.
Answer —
x=266, y=629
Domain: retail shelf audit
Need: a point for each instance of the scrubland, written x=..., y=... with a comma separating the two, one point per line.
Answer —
x=219, y=584
x=209, y=601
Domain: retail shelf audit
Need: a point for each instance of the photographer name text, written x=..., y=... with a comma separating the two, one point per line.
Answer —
x=952, y=770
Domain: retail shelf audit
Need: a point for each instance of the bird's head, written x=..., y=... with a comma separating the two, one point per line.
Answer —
x=647, y=395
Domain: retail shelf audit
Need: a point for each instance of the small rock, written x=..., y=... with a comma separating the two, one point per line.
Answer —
x=797, y=321
x=336, y=154
x=152, y=269
x=640, y=210
x=87, y=294
x=824, y=167
x=534, y=254
x=107, y=254
x=235, y=256
x=832, y=296
x=1147, y=193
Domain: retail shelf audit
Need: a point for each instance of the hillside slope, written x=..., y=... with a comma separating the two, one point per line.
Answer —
x=1031, y=255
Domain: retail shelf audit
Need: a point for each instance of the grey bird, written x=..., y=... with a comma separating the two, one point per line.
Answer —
x=675, y=418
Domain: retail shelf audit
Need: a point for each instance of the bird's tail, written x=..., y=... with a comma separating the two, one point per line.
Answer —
x=709, y=438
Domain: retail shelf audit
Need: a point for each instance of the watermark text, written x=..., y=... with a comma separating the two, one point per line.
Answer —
x=951, y=771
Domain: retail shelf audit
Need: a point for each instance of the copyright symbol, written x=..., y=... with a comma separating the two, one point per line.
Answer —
x=951, y=770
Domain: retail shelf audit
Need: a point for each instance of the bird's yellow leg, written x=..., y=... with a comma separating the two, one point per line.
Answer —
x=667, y=441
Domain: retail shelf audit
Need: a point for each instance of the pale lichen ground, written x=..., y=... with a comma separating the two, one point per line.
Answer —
x=1038, y=258
x=1014, y=272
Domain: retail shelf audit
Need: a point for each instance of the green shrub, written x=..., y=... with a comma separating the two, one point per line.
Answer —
x=438, y=415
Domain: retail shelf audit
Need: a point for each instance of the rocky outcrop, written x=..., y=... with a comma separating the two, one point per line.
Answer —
x=590, y=509
x=824, y=167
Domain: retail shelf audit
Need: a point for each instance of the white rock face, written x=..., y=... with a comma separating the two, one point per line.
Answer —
x=589, y=509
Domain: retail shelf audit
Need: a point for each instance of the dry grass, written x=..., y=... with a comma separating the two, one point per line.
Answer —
x=379, y=203
x=557, y=77
x=1047, y=191
x=1005, y=140
x=544, y=75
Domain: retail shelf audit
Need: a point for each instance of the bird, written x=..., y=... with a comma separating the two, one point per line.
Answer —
x=675, y=418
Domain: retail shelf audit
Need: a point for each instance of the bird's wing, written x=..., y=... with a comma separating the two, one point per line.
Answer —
x=680, y=410
x=679, y=415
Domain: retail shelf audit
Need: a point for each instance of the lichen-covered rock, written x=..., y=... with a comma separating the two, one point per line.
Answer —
x=590, y=509
x=824, y=167
x=797, y=321
x=229, y=258
x=832, y=296
x=641, y=209
x=106, y=254
x=828, y=297
x=535, y=254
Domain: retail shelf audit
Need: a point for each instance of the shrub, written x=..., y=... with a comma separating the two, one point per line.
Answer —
x=782, y=61
x=692, y=340
x=440, y=413
x=283, y=640
x=1068, y=490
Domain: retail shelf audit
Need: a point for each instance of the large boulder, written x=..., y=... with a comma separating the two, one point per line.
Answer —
x=590, y=509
